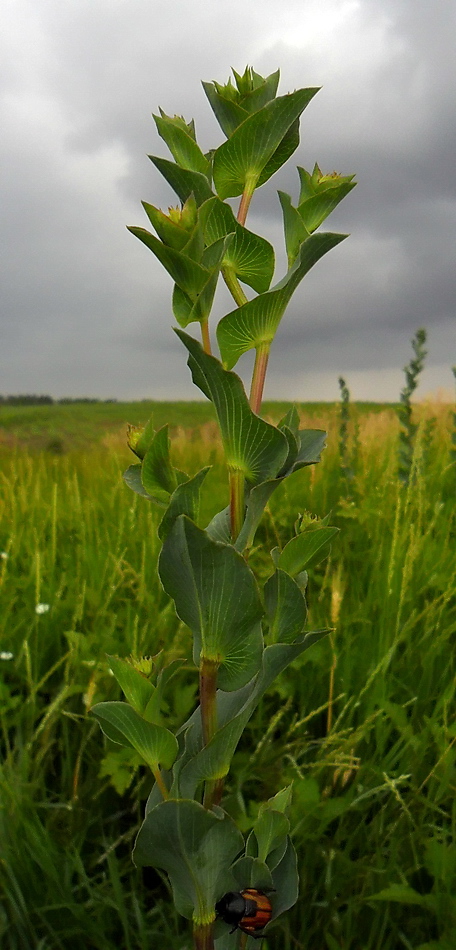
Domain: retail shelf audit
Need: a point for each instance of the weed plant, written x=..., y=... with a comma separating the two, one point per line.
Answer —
x=363, y=724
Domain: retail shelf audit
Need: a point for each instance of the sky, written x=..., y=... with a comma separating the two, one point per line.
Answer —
x=86, y=308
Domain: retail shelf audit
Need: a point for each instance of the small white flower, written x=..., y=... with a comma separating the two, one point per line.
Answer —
x=4, y=555
x=42, y=608
x=6, y=655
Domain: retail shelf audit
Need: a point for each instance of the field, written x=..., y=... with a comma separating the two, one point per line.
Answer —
x=363, y=725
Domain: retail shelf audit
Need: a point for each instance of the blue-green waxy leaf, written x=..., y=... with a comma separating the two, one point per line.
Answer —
x=137, y=688
x=252, y=446
x=122, y=724
x=216, y=595
x=285, y=607
x=184, y=501
x=239, y=162
x=271, y=829
x=171, y=233
x=256, y=322
x=250, y=257
x=232, y=105
x=132, y=477
x=158, y=475
x=306, y=549
x=190, y=276
x=294, y=228
x=182, y=144
x=188, y=309
x=183, y=181
x=195, y=847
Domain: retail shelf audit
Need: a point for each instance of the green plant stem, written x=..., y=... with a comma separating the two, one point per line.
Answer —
x=205, y=337
x=259, y=376
x=237, y=490
x=234, y=286
x=207, y=691
x=203, y=937
x=158, y=778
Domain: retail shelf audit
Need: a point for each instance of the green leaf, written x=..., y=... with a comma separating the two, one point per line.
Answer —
x=250, y=257
x=240, y=161
x=285, y=881
x=184, y=501
x=316, y=209
x=257, y=321
x=132, y=476
x=195, y=847
x=307, y=548
x=183, y=181
x=139, y=438
x=251, y=445
x=186, y=153
x=233, y=713
x=285, y=607
x=270, y=828
x=158, y=475
x=294, y=228
x=122, y=724
x=168, y=231
x=231, y=106
x=138, y=690
x=216, y=595
x=190, y=276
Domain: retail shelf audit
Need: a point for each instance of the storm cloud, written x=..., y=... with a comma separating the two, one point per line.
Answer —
x=86, y=308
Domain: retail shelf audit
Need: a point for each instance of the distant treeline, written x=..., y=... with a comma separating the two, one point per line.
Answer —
x=33, y=400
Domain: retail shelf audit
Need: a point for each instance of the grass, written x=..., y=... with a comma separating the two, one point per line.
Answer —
x=363, y=724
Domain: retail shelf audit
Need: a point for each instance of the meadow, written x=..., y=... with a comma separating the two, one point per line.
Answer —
x=363, y=724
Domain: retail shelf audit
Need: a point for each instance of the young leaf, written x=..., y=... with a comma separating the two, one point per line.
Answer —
x=122, y=724
x=136, y=688
x=216, y=595
x=257, y=321
x=239, y=162
x=307, y=548
x=157, y=474
x=171, y=233
x=195, y=847
x=132, y=476
x=181, y=144
x=252, y=445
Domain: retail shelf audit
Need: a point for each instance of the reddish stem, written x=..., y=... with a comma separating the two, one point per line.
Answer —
x=259, y=376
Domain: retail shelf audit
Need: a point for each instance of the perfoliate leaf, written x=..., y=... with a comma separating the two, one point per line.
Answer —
x=183, y=181
x=293, y=226
x=157, y=474
x=307, y=548
x=285, y=607
x=239, y=162
x=122, y=724
x=184, y=501
x=196, y=848
x=181, y=144
x=232, y=105
x=132, y=476
x=252, y=445
x=249, y=256
x=186, y=273
x=216, y=595
x=256, y=322
x=171, y=233
x=137, y=689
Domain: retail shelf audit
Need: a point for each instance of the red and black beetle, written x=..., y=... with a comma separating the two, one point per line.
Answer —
x=250, y=910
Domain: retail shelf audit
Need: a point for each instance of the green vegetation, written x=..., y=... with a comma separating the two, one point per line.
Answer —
x=363, y=724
